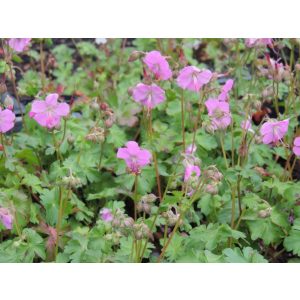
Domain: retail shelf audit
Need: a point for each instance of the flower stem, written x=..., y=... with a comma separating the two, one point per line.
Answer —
x=182, y=121
x=2, y=142
x=59, y=220
x=223, y=150
x=43, y=77
x=150, y=133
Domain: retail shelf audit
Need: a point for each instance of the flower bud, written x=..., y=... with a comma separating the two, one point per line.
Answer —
x=96, y=135
x=71, y=181
x=128, y=222
x=208, y=127
x=8, y=102
x=265, y=213
x=211, y=189
x=3, y=88
x=142, y=231
x=171, y=216
x=149, y=198
x=109, y=122
x=70, y=139
x=104, y=106
x=135, y=55
x=297, y=67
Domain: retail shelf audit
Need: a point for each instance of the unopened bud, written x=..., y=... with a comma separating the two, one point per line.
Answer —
x=265, y=212
x=135, y=55
x=103, y=106
x=96, y=135
x=8, y=102
x=211, y=189
x=3, y=88
x=70, y=139
x=71, y=181
x=109, y=122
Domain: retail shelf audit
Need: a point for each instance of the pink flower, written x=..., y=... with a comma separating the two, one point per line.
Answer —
x=246, y=125
x=250, y=43
x=48, y=113
x=134, y=156
x=191, y=171
x=219, y=113
x=276, y=69
x=296, y=148
x=273, y=131
x=18, y=44
x=148, y=95
x=6, y=218
x=7, y=118
x=158, y=65
x=192, y=79
x=106, y=214
x=227, y=87
x=190, y=149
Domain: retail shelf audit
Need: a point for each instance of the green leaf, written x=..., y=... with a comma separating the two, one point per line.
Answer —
x=247, y=255
x=292, y=242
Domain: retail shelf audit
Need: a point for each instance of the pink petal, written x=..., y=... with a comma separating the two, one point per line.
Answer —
x=38, y=106
x=51, y=99
x=62, y=109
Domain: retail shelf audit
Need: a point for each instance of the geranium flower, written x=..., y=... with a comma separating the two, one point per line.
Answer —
x=191, y=78
x=158, y=65
x=247, y=125
x=219, y=113
x=296, y=148
x=273, y=131
x=48, y=113
x=7, y=119
x=134, y=156
x=191, y=171
x=250, y=43
x=226, y=88
x=18, y=44
x=6, y=218
x=106, y=214
x=148, y=95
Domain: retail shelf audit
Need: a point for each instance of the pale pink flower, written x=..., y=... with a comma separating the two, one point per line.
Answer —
x=190, y=149
x=7, y=119
x=191, y=78
x=18, y=44
x=48, y=113
x=158, y=65
x=251, y=43
x=247, y=125
x=191, y=171
x=273, y=131
x=134, y=156
x=296, y=148
x=148, y=95
x=106, y=214
x=6, y=218
x=276, y=69
x=219, y=113
x=226, y=88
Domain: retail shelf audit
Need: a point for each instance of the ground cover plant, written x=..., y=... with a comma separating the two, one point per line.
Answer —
x=149, y=150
